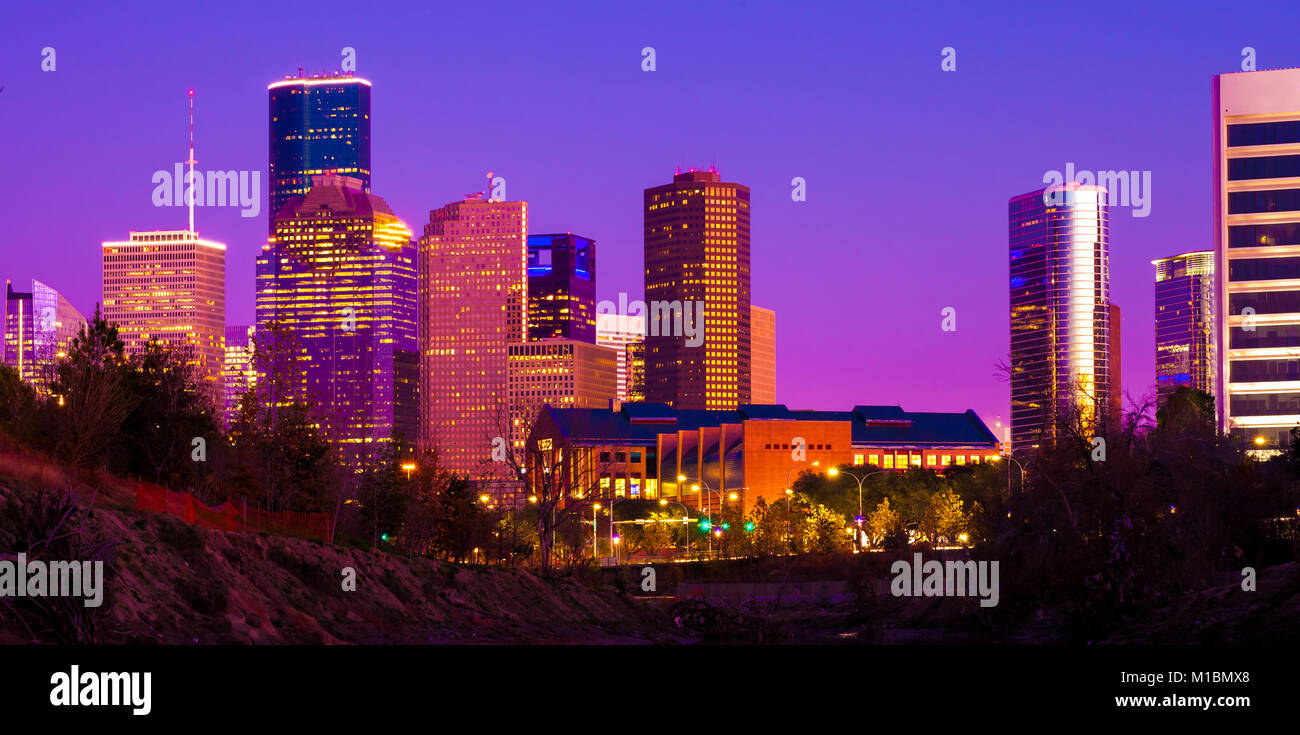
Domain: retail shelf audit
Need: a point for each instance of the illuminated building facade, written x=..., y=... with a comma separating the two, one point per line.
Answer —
x=763, y=354
x=39, y=325
x=1116, y=389
x=170, y=286
x=561, y=287
x=1184, y=323
x=626, y=334
x=697, y=252
x=732, y=458
x=338, y=275
x=1257, y=255
x=318, y=125
x=237, y=374
x=565, y=373
x=1060, y=312
x=473, y=298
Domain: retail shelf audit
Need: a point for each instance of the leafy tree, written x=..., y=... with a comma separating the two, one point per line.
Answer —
x=92, y=395
x=885, y=525
x=825, y=530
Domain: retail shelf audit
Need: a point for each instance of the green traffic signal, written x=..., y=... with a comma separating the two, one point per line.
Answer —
x=749, y=526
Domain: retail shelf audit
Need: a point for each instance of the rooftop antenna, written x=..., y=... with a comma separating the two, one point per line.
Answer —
x=190, y=190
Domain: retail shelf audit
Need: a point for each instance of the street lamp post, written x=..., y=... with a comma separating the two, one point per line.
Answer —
x=681, y=479
x=686, y=518
x=835, y=471
x=1022, y=474
x=789, y=493
x=595, y=535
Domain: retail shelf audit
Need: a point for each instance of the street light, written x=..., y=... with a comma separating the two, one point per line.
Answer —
x=835, y=471
x=409, y=467
x=686, y=518
x=1022, y=473
x=789, y=492
x=595, y=535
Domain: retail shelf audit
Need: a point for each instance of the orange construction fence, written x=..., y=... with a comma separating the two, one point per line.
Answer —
x=232, y=516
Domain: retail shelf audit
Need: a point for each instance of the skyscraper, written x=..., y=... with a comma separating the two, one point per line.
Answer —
x=473, y=299
x=697, y=261
x=38, y=327
x=1115, y=367
x=561, y=287
x=318, y=125
x=763, y=355
x=339, y=275
x=170, y=286
x=1184, y=323
x=1257, y=254
x=1060, y=315
x=237, y=374
x=626, y=334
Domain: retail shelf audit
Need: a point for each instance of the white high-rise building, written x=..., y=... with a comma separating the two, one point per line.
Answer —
x=1257, y=254
x=627, y=335
x=169, y=286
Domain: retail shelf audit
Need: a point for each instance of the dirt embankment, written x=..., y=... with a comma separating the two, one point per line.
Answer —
x=172, y=583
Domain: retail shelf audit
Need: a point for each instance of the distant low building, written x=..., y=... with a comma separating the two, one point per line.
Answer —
x=734, y=457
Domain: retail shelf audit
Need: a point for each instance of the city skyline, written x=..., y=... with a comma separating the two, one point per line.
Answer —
x=901, y=305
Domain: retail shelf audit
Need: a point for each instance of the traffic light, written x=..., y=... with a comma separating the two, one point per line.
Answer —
x=749, y=526
x=705, y=524
x=726, y=526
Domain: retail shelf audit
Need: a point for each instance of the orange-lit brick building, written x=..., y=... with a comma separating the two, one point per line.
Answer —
x=734, y=457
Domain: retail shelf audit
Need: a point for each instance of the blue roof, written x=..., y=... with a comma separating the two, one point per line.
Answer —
x=641, y=423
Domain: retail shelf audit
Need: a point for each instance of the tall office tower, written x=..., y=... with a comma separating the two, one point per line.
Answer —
x=473, y=306
x=1257, y=254
x=563, y=373
x=1184, y=323
x=170, y=286
x=626, y=334
x=318, y=125
x=39, y=325
x=1060, y=315
x=763, y=323
x=561, y=287
x=339, y=276
x=237, y=374
x=697, y=259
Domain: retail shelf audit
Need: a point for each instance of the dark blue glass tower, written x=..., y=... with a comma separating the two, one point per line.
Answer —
x=318, y=125
x=561, y=287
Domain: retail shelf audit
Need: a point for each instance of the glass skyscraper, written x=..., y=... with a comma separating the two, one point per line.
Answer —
x=561, y=287
x=39, y=324
x=318, y=125
x=1257, y=254
x=1184, y=323
x=1060, y=312
x=339, y=275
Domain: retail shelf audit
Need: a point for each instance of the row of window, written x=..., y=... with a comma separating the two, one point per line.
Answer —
x=1264, y=167
x=1276, y=200
x=1266, y=302
x=1263, y=269
x=1270, y=133
x=1254, y=236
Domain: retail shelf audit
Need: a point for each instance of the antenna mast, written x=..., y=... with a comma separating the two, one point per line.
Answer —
x=190, y=193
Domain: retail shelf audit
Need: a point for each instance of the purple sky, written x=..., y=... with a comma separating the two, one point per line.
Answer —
x=909, y=168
